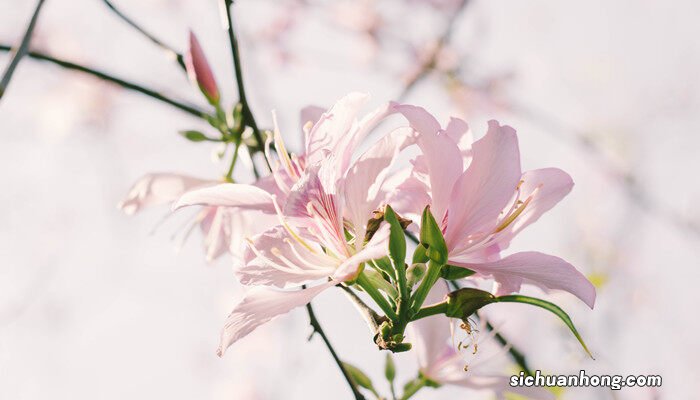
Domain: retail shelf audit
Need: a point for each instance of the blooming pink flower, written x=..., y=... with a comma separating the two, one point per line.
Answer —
x=327, y=196
x=482, y=200
x=199, y=71
x=441, y=362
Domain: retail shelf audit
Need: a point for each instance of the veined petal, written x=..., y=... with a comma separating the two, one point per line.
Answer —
x=546, y=271
x=275, y=258
x=484, y=189
x=547, y=187
x=332, y=126
x=365, y=179
x=228, y=195
x=459, y=131
x=441, y=155
x=259, y=306
x=157, y=189
x=377, y=247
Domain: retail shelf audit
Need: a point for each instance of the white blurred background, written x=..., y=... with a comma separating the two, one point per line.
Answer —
x=94, y=306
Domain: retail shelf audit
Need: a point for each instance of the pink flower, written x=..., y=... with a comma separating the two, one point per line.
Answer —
x=224, y=230
x=199, y=71
x=328, y=197
x=433, y=340
x=482, y=200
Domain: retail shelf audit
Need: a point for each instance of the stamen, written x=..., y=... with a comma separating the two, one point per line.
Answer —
x=508, y=220
x=281, y=150
x=288, y=228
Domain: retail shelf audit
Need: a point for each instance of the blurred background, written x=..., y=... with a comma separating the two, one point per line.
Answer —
x=98, y=305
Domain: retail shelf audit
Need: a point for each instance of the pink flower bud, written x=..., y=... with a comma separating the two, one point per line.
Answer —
x=199, y=71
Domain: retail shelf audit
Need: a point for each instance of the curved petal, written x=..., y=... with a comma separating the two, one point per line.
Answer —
x=156, y=189
x=548, y=272
x=228, y=195
x=486, y=187
x=547, y=186
x=364, y=181
x=440, y=153
x=332, y=126
x=275, y=258
x=259, y=306
x=377, y=247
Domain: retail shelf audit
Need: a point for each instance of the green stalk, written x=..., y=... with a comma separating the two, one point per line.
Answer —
x=377, y=296
x=439, y=308
x=431, y=276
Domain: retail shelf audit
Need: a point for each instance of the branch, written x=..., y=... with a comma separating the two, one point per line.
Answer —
x=429, y=64
x=371, y=317
x=247, y=113
x=21, y=50
x=169, y=50
x=192, y=110
x=317, y=329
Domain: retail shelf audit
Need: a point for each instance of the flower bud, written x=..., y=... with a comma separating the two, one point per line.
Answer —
x=464, y=302
x=199, y=71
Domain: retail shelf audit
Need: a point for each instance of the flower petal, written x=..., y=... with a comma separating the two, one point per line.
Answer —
x=228, y=195
x=259, y=306
x=275, y=258
x=546, y=271
x=484, y=189
x=333, y=126
x=156, y=189
x=547, y=187
x=440, y=153
x=364, y=182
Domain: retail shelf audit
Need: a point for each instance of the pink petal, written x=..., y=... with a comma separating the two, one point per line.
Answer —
x=199, y=71
x=547, y=187
x=484, y=189
x=429, y=336
x=156, y=189
x=228, y=195
x=333, y=126
x=269, y=263
x=499, y=384
x=377, y=247
x=259, y=306
x=548, y=272
x=364, y=182
x=441, y=154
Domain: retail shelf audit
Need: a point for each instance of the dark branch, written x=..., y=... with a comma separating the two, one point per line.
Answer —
x=21, y=50
x=169, y=50
x=192, y=110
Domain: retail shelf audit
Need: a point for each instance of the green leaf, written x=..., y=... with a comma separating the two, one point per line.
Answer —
x=194, y=136
x=397, y=240
x=360, y=378
x=464, y=302
x=431, y=238
x=452, y=272
x=389, y=368
x=550, y=307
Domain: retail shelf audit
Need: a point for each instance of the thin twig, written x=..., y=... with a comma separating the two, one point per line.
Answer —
x=168, y=50
x=317, y=329
x=430, y=62
x=247, y=113
x=190, y=109
x=21, y=50
x=371, y=317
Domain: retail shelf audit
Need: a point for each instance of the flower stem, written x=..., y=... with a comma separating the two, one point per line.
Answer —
x=439, y=308
x=431, y=276
x=372, y=291
x=414, y=387
x=247, y=113
x=21, y=50
x=169, y=50
x=317, y=329
x=192, y=110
